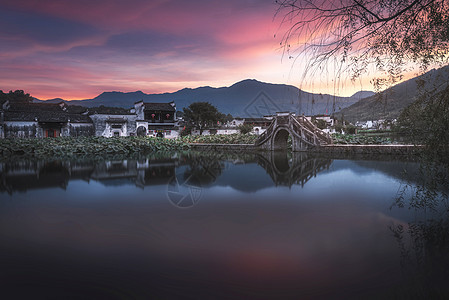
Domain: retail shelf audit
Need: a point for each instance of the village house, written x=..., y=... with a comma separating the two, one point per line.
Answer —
x=156, y=119
x=231, y=127
x=21, y=119
x=113, y=121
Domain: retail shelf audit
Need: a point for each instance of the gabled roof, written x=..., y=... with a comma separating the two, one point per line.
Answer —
x=105, y=110
x=43, y=112
x=159, y=106
x=37, y=107
x=39, y=116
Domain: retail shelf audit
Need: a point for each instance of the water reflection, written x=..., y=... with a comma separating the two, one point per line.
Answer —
x=198, y=169
x=259, y=225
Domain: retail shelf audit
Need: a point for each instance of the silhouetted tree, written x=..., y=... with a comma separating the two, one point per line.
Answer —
x=385, y=33
x=202, y=115
x=16, y=96
x=390, y=35
x=245, y=128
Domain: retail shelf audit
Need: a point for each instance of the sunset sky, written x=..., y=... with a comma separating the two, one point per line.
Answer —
x=77, y=49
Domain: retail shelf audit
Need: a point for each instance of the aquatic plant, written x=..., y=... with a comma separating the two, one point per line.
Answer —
x=221, y=139
x=71, y=146
x=351, y=139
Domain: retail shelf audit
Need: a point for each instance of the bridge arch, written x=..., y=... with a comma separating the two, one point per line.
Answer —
x=280, y=138
x=305, y=135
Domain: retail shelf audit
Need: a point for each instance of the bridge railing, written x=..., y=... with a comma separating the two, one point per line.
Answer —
x=266, y=134
x=306, y=135
x=305, y=129
x=322, y=136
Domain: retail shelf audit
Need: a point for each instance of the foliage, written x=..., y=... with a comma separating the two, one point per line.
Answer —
x=426, y=121
x=245, y=128
x=16, y=96
x=350, y=129
x=202, y=115
x=70, y=146
x=391, y=36
x=387, y=34
x=187, y=130
x=221, y=139
x=359, y=139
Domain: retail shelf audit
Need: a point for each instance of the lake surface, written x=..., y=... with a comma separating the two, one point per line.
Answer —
x=221, y=225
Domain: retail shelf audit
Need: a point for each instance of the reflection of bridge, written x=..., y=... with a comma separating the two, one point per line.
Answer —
x=201, y=169
x=304, y=133
x=295, y=169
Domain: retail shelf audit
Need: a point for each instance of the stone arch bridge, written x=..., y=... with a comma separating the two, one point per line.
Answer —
x=305, y=135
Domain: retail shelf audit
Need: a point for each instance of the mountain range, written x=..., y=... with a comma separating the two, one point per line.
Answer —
x=247, y=98
x=389, y=103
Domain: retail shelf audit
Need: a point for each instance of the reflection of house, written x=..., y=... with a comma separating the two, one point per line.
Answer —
x=43, y=120
x=156, y=119
x=28, y=175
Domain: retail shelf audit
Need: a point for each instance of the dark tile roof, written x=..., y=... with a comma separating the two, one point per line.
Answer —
x=104, y=110
x=159, y=106
x=36, y=107
x=40, y=116
x=76, y=109
x=78, y=118
x=43, y=112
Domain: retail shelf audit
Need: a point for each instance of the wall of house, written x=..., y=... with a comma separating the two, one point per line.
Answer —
x=139, y=107
x=227, y=131
x=104, y=128
x=81, y=129
x=21, y=129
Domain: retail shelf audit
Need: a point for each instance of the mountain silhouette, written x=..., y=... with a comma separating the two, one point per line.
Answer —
x=247, y=98
x=390, y=103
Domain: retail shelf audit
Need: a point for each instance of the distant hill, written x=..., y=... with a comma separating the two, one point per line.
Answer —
x=390, y=103
x=247, y=98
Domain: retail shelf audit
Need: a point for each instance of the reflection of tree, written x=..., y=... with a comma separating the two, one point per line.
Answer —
x=424, y=242
x=204, y=168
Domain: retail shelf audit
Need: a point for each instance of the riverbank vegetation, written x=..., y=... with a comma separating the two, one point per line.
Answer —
x=236, y=138
x=81, y=146
x=357, y=139
x=70, y=146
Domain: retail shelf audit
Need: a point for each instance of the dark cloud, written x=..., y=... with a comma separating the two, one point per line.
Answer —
x=153, y=43
x=42, y=29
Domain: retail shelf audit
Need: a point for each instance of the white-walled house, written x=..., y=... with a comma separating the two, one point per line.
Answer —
x=109, y=125
x=156, y=119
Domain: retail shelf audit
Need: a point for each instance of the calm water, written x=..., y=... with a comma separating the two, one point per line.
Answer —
x=220, y=225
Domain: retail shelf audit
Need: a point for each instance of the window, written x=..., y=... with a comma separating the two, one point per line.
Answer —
x=116, y=133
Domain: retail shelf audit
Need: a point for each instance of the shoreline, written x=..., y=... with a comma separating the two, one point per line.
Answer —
x=332, y=149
